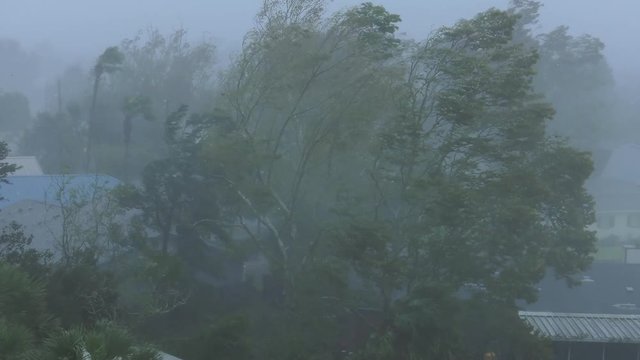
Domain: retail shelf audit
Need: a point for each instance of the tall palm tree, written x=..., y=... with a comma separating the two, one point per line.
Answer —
x=108, y=63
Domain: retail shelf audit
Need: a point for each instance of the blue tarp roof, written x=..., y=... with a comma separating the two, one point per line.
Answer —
x=46, y=187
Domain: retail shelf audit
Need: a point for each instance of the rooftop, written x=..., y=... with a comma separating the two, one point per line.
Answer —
x=585, y=327
x=44, y=188
x=606, y=288
x=27, y=165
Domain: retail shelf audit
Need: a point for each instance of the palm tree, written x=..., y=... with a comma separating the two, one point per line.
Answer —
x=22, y=311
x=108, y=63
x=106, y=342
x=15, y=340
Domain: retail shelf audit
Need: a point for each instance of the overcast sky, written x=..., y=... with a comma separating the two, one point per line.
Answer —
x=80, y=29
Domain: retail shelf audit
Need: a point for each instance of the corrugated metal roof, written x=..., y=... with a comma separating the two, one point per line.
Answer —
x=585, y=327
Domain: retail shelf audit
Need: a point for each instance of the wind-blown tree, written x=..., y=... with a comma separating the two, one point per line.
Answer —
x=294, y=115
x=446, y=180
x=281, y=155
x=178, y=214
x=108, y=63
x=21, y=68
x=163, y=72
x=5, y=168
x=168, y=69
x=466, y=188
x=15, y=115
x=56, y=142
x=574, y=76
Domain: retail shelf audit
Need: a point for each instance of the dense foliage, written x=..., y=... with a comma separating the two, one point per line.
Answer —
x=340, y=193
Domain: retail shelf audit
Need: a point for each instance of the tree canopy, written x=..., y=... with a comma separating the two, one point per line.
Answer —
x=338, y=192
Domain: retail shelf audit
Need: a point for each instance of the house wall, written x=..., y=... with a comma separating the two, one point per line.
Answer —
x=623, y=225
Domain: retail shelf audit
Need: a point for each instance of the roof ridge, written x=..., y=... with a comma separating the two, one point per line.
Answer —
x=582, y=315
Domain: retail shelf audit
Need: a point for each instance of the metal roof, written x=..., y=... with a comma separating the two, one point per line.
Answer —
x=165, y=356
x=577, y=327
x=45, y=187
x=27, y=165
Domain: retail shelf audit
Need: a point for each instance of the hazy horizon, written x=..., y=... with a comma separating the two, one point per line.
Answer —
x=67, y=37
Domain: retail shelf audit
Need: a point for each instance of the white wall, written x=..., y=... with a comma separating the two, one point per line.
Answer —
x=620, y=227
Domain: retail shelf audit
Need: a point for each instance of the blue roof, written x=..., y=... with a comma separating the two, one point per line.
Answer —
x=46, y=187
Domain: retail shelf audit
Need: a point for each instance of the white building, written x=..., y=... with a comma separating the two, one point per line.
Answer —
x=617, y=195
x=27, y=165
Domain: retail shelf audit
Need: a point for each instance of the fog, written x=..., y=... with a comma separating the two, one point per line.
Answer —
x=394, y=179
x=75, y=30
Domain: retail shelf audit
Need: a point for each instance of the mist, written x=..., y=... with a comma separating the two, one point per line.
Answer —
x=77, y=30
x=317, y=179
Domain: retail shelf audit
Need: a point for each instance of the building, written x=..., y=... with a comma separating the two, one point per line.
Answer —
x=586, y=336
x=37, y=201
x=616, y=191
x=27, y=165
x=597, y=319
x=47, y=188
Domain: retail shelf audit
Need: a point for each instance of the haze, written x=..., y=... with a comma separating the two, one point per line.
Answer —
x=72, y=31
x=390, y=179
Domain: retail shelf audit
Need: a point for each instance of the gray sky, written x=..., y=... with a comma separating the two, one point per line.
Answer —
x=75, y=30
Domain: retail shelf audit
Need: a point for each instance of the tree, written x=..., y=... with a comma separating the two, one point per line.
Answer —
x=466, y=186
x=135, y=106
x=21, y=68
x=14, y=112
x=16, y=250
x=108, y=63
x=54, y=141
x=172, y=187
x=23, y=300
x=574, y=76
x=5, y=168
x=293, y=116
x=400, y=196
x=448, y=181
x=168, y=69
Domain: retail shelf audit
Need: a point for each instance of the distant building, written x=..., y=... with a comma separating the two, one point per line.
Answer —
x=616, y=191
x=27, y=165
x=36, y=203
x=44, y=188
